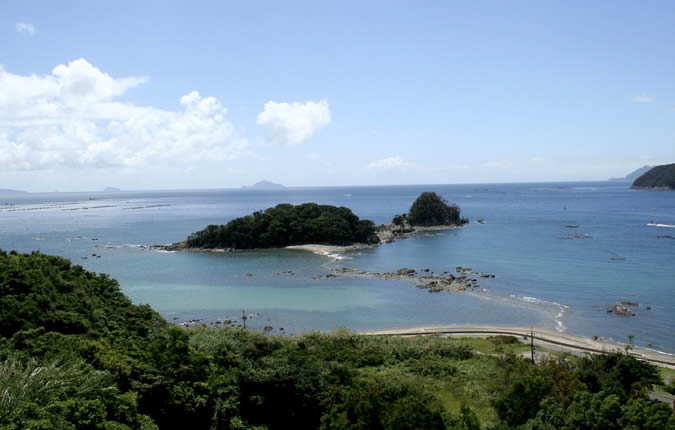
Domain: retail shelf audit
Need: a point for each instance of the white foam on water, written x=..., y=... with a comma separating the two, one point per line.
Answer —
x=559, y=316
x=660, y=225
x=338, y=257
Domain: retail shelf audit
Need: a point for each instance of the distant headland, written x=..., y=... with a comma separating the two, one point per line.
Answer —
x=8, y=192
x=657, y=178
x=263, y=185
x=632, y=176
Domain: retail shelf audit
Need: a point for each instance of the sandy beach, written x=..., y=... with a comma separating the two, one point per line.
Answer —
x=547, y=338
x=336, y=249
x=327, y=249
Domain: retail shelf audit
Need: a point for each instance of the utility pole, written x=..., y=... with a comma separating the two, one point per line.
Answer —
x=532, y=343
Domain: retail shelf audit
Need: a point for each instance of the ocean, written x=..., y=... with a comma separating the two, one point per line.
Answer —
x=561, y=253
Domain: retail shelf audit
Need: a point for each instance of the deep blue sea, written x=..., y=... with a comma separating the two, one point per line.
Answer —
x=544, y=278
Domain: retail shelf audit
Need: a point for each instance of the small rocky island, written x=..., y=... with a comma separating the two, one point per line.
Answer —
x=428, y=212
x=657, y=178
x=287, y=225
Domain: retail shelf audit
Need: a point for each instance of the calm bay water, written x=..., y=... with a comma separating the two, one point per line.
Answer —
x=543, y=277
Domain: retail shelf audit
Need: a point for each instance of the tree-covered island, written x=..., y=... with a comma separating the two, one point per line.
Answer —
x=311, y=223
x=430, y=209
x=286, y=224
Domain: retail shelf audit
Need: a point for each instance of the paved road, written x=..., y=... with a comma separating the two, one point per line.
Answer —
x=548, y=338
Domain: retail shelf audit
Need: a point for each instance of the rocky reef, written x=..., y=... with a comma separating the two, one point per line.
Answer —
x=463, y=280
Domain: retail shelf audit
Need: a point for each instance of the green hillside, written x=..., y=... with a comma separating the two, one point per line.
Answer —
x=75, y=353
x=659, y=177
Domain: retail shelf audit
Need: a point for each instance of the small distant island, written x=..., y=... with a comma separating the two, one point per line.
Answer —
x=263, y=185
x=632, y=176
x=314, y=227
x=657, y=178
x=111, y=190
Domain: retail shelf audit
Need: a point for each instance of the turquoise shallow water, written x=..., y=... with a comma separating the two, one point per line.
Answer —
x=543, y=278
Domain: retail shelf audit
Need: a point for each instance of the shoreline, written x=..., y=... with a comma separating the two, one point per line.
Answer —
x=327, y=250
x=551, y=339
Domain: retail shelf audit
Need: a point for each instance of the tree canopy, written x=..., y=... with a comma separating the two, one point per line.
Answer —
x=657, y=177
x=286, y=224
x=432, y=210
x=75, y=353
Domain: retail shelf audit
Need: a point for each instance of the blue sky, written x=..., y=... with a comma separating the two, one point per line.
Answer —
x=332, y=93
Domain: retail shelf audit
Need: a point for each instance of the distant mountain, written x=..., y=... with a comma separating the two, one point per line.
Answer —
x=657, y=178
x=264, y=185
x=111, y=190
x=6, y=192
x=633, y=175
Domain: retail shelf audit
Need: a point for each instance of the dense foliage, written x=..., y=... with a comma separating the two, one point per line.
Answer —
x=76, y=354
x=430, y=210
x=286, y=224
x=657, y=177
x=599, y=392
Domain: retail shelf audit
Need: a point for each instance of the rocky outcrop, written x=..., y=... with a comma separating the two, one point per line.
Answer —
x=397, y=228
x=622, y=310
x=183, y=246
x=446, y=281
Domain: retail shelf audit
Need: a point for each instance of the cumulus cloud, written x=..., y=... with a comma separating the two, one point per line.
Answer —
x=25, y=27
x=294, y=123
x=71, y=118
x=642, y=98
x=389, y=163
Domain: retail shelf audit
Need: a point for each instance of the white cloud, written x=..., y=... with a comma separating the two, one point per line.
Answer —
x=642, y=98
x=389, y=163
x=25, y=27
x=294, y=123
x=71, y=118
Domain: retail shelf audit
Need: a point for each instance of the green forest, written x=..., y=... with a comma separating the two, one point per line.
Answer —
x=286, y=224
x=75, y=353
x=657, y=177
